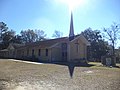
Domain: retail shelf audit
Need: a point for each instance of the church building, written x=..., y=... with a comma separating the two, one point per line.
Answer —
x=70, y=49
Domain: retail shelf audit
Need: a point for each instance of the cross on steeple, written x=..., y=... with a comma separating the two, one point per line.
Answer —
x=71, y=33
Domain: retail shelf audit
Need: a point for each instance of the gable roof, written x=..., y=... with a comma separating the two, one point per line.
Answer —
x=82, y=38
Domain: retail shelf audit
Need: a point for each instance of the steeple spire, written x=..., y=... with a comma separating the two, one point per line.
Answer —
x=71, y=33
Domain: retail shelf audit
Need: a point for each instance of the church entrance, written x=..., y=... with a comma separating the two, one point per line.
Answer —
x=64, y=52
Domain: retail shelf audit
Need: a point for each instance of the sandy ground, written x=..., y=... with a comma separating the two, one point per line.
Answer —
x=19, y=75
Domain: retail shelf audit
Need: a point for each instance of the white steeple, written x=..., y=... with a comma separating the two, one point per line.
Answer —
x=71, y=33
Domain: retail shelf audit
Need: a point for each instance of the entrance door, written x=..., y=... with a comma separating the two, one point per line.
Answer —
x=64, y=51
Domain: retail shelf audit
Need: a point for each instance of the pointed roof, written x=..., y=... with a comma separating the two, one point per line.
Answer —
x=82, y=38
x=71, y=33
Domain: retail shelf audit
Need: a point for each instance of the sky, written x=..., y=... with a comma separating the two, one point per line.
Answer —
x=51, y=15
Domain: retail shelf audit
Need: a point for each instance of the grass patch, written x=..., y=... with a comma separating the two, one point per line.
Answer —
x=36, y=75
x=97, y=65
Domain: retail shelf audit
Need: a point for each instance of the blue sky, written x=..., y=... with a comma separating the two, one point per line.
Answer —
x=50, y=15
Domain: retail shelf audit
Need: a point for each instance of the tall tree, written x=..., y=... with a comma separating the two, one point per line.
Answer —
x=57, y=34
x=98, y=46
x=8, y=37
x=17, y=39
x=112, y=34
x=28, y=36
x=3, y=29
x=92, y=35
x=40, y=35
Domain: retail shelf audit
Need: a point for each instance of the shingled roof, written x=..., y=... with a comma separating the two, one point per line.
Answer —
x=15, y=45
x=46, y=43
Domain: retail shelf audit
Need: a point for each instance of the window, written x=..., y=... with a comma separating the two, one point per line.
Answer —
x=27, y=51
x=64, y=47
x=46, y=52
x=33, y=52
x=77, y=46
x=39, y=52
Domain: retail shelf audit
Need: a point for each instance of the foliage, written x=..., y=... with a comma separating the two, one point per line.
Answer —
x=7, y=37
x=26, y=36
x=112, y=34
x=98, y=46
x=29, y=35
x=3, y=29
x=40, y=35
x=17, y=39
x=57, y=34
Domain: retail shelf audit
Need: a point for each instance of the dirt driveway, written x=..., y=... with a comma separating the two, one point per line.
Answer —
x=18, y=75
